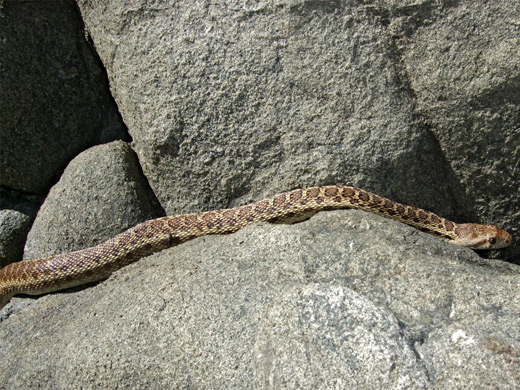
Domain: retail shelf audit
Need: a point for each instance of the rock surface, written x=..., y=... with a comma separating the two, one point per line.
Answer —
x=101, y=193
x=54, y=101
x=17, y=212
x=246, y=100
x=344, y=300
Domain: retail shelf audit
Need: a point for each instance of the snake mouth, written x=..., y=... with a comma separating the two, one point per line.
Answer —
x=483, y=244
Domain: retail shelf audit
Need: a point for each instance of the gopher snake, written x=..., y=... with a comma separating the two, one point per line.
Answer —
x=92, y=264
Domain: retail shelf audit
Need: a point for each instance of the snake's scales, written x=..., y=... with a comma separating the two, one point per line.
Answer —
x=72, y=269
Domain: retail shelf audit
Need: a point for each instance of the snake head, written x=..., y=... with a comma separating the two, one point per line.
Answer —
x=477, y=236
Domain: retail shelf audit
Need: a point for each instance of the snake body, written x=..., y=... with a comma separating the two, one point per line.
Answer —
x=62, y=271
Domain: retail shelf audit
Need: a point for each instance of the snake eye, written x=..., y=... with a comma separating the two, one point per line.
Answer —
x=492, y=240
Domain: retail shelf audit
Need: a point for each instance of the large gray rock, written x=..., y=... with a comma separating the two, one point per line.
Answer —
x=344, y=300
x=101, y=193
x=54, y=100
x=229, y=104
x=246, y=103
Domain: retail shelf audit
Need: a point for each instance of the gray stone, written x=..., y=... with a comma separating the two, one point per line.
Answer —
x=322, y=336
x=473, y=353
x=246, y=100
x=17, y=212
x=54, y=100
x=14, y=227
x=346, y=299
x=101, y=193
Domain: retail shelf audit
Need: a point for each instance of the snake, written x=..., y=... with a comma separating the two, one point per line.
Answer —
x=45, y=275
